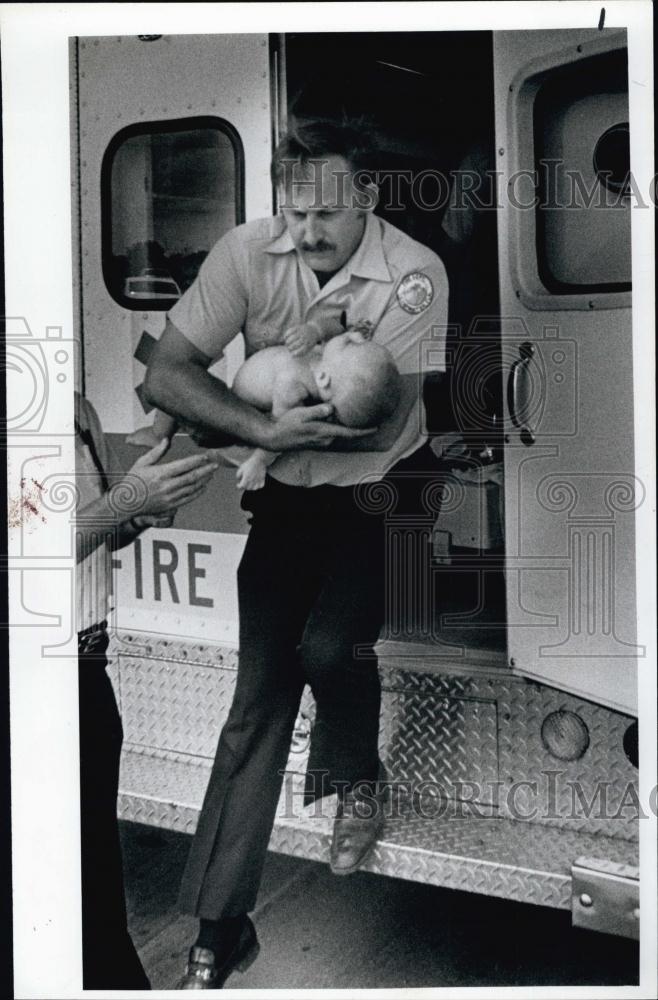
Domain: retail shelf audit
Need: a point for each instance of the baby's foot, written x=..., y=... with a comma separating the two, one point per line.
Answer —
x=251, y=474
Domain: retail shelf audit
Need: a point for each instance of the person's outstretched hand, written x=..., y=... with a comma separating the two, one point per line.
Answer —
x=171, y=484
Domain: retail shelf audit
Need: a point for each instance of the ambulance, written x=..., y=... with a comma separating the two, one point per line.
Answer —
x=510, y=655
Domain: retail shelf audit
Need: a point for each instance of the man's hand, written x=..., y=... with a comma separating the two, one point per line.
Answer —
x=172, y=484
x=308, y=427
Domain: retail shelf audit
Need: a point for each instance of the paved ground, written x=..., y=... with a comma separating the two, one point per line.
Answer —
x=317, y=930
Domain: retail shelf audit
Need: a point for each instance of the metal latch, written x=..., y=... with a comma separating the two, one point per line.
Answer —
x=605, y=896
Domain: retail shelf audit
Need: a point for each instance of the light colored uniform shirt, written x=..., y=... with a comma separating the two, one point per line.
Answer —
x=254, y=281
x=93, y=577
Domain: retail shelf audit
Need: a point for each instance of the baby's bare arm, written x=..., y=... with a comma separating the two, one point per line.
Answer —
x=288, y=391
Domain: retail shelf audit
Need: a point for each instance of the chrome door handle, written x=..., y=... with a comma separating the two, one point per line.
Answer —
x=519, y=392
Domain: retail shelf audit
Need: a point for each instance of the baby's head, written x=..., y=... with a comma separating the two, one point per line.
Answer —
x=360, y=379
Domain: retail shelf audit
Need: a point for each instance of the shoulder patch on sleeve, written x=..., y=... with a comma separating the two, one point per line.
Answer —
x=415, y=292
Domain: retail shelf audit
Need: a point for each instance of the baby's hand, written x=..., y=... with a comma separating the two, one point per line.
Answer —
x=300, y=339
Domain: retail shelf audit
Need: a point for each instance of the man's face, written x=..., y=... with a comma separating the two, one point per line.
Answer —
x=321, y=210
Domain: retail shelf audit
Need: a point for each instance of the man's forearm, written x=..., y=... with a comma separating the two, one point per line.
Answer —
x=197, y=398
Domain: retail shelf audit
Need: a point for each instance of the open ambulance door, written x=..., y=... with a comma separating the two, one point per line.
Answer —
x=562, y=141
x=174, y=141
x=177, y=137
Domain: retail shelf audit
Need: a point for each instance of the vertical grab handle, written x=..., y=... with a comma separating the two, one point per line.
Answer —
x=519, y=392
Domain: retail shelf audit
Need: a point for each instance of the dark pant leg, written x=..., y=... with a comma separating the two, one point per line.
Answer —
x=110, y=960
x=277, y=583
x=338, y=659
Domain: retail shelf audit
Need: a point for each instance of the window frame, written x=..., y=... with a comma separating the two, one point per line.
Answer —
x=164, y=126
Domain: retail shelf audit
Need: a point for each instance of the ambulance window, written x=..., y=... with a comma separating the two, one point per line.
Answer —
x=583, y=215
x=169, y=191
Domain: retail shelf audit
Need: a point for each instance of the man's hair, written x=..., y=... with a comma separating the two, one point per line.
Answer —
x=307, y=141
x=372, y=390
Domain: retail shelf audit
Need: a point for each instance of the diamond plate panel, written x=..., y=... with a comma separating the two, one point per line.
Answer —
x=597, y=793
x=497, y=857
x=442, y=729
x=159, y=647
x=174, y=706
x=161, y=792
x=444, y=741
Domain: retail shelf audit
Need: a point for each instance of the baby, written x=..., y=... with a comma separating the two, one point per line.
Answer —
x=318, y=362
x=358, y=377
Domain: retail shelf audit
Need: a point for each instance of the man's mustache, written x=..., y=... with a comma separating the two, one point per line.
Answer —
x=317, y=247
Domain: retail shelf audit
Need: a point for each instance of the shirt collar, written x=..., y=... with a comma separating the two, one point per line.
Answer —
x=367, y=261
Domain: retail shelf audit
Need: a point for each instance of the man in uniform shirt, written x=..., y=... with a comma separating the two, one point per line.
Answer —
x=311, y=581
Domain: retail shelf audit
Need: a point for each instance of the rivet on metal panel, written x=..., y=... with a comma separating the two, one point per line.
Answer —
x=512, y=661
x=501, y=151
x=141, y=111
x=586, y=899
x=189, y=107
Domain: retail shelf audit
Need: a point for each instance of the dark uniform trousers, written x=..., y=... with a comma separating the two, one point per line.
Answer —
x=311, y=600
x=109, y=958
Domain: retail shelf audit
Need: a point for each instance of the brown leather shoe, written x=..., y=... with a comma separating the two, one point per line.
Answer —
x=358, y=824
x=207, y=970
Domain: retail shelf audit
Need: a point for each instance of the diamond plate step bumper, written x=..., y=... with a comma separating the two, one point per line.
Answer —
x=495, y=856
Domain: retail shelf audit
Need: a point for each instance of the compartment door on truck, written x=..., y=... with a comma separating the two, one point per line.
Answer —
x=562, y=141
